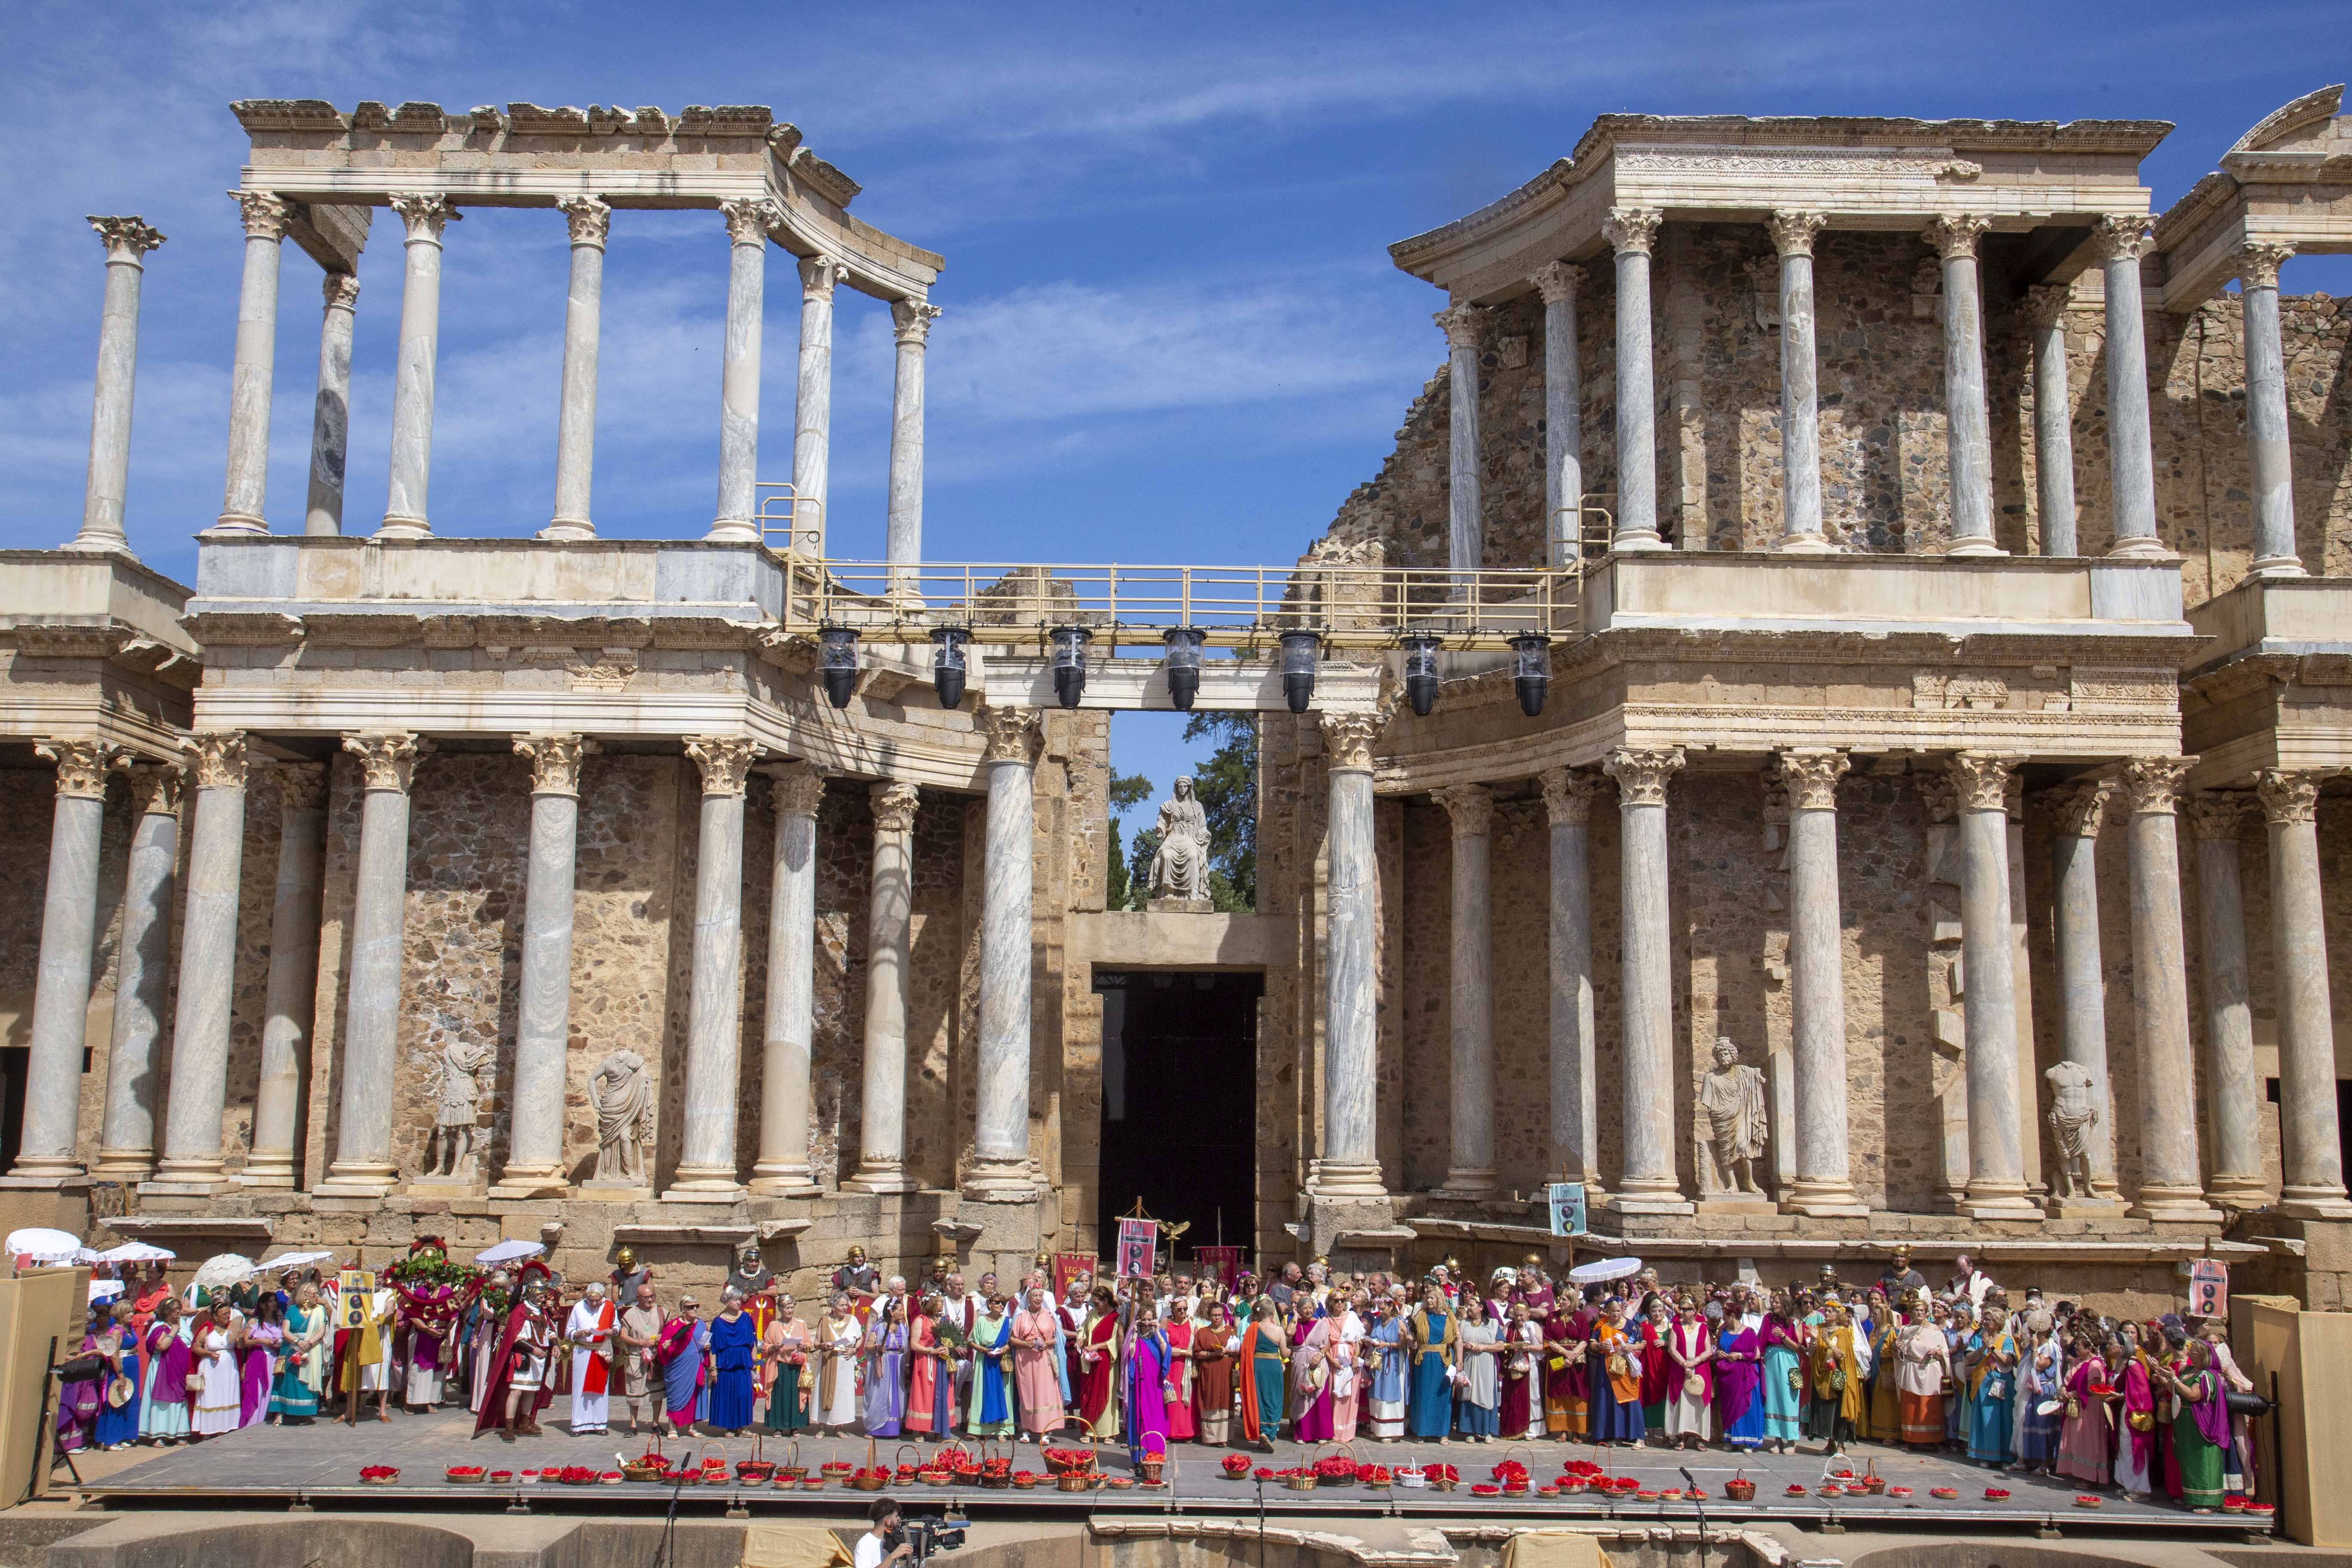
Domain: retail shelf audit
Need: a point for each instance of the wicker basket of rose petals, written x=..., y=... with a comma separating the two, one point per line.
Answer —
x=378, y=1474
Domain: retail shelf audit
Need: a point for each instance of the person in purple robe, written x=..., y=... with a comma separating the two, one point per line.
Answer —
x=1738, y=1369
x=163, y=1415
x=1145, y=1388
x=264, y=1342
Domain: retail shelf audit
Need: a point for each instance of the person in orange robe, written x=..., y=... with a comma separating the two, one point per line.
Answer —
x=1099, y=1366
x=1262, y=1368
x=926, y=1410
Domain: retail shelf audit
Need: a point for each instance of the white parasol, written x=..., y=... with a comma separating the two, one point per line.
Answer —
x=102, y=1289
x=1603, y=1270
x=41, y=1244
x=508, y=1252
x=224, y=1269
x=291, y=1260
x=138, y=1252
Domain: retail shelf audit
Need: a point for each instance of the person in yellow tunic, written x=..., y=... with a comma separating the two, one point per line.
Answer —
x=1883, y=1413
x=367, y=1361
x=1841, y=1357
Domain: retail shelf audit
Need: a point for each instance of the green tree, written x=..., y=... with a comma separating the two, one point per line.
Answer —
x=1125, y=790
x=1227, y=787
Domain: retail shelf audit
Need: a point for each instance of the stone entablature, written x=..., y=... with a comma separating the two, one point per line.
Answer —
x=91, y=648
x=2273, y=690
x=2283, y=184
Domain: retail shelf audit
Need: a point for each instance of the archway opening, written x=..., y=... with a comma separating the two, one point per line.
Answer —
x=1179, y=1102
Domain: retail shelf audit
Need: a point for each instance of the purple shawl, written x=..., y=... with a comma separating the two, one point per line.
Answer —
x=170, y=1356
x=2211, y=1411
x=1736, y=1382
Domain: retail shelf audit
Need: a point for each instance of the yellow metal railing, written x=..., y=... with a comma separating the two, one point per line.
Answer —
x=790, y=521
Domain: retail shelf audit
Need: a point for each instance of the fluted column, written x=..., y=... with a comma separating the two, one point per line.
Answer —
x=2119, y=241
x=2311, y=1159
x=2170, y=1176
x=1996, y=1151
x=1465, y=326
x=2233, y=1092
x=193, y=1161
x=1967, y=425
x=1825, y=1183
x=911, y=323
x=1350, y=1162
x=2269, y=452
x=812, y=409
x=331, y=413
x=142, y=976
x=1569, y=793
x=1563, y=416
x=590, y=221
x=2053, y=419
x=714, y=1044
x=47, y=1151
x=882, y=1119
x=535, y=1164
x=748, y=223
x=253, y=370
x=1001, y=1165
x=127, y=239
x=290, y=1007
x=1631, y=231
x=1649, y=1183
x=2082, y=812
x=782, y=1169
x=362, y=1166
x=406, y=513
x=1471, y=1171
x=1801, y=430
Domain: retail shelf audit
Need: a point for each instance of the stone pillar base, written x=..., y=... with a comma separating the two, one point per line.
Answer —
x=1998, y=1205
x=405, y=528
x=784, y=1182
x=1736, y=1203
x=2277, y=567
x=122, y=1165
x=566, y=530
x=2093, y=1207
x=1824, y=1203
x=2141, y=547
x=354, y=1187
x=1666, y=1202
x=186, y=1179
x=45, y=1173
x=2173, y=1206
x=703, y=1187
x=2296, y=1204
x=1002, y=1182
x=531, y=1182
x=1807, y=544
x=1975, y=547
x=882, y=1184
x=1475, y=1183
x=269, y=1169
x=612, y=1193
x=1333, y=1179
x=733, y=530
x=2230, y=1191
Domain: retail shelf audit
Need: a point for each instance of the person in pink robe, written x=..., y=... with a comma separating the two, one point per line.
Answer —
x=1310, y=1370
x=1037, y=1388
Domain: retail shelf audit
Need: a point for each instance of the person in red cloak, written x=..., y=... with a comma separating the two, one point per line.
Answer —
x=518, y=1386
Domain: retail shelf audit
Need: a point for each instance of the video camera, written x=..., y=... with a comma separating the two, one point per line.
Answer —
x=923, y=1534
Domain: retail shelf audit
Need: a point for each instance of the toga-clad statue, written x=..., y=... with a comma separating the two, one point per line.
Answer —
x=1180, y=868
x=456, y=1109
x=2073, y=1112
x=624, y=1094
x=1732, y=1095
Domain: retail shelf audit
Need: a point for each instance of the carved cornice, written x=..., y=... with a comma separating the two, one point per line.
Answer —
x=800, y=788
x=554, y=762
x=1569, y=794
x=387, y=759
x=1812, y=778
x=1642, y=774
x=2082, y=809
x=725, y=761
x=894, y=808
x=2045, y=303
x=1981, y=781
x=219, y=758
x=1954, y=235
x=2153, y=784
x=1558, y=282
x=2121, y=237
x=750, y=219
x=2287, y=798
x=818, y=275
x=1472, y=807
x=155, y=789
x=1349, y=738
x=1465, y=326
x=302, y=786
x=263, y=213
x=910, y=321
x=1013, y=734
x=589, y=218
x=341, y=290
x=425, y=215
x=132, y=238
x=1793, y=231
x=1631, y=229
x=2214, y=815
x=2259, y=262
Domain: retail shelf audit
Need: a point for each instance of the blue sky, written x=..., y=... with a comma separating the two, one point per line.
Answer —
x=1170, y=328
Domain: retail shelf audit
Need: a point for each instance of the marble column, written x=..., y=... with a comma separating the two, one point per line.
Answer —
x=882, y=1118
x=143, y=978
x=812, y=408
x=714, y=1045
x=1569, y=793
x=1825, y=1183
x=252, y=371
x=1002, y=1167
x=127, y=241
x=1800, y=429
x=1350, y=1162
x=910, y=323
x=405, y=513
x=1465, y=326
x=1471, y=1172
x=2233, y=1092
x=1996, y=1187
x=2169, y=1172
x=2268, y=452
x=1967, y=425
x=2311, y=1159
x=535, y=1165
x=2053, y=419
x=363, y=1165
x=330, y=414
x=2119, y=241
x=589, y=220
x=193, y=1161
x=1649, y=1183
x=1563, y=417
x=782, y=1169
x=290, y=1007
x=1631, y=231
x=2082, y=811
x=748, y=223
x=47, y=1149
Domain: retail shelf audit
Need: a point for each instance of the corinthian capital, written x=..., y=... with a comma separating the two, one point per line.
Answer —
x=2259, y=262
x=2121, y=237
x=427, y=215
x=387, y=759
x=725, y=761
x=1642, y=773
x=82, y=766
x=1954, y=235
x=2153, y=784
x=750, y=219
x=800, y=788
x=340, y=289
x=554, y=762
x=589, y=218
x=302, y=786
x=220, y=758
x=2287, y=796
x=1569, y=793
x=1465, y=326
x=894, y=808
x=910, y=321
x=1792, y=230
x=155, y=789
x=2045, y=303
x=1811, y=777
x=132, y=236
x=1013, y=734
x=1981, y=781
x=2214, y=815
x=263, y=213
x=1472, y=807
x=819, y=273
x=1631, y=229
x=2083, y=807
x=1558, y=281
x=1349, y=738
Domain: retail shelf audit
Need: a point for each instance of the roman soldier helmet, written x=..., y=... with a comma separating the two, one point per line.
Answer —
x=533, y=1266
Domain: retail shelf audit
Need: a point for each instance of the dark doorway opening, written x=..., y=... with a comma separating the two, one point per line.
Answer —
x=1179, y=1102
x=16, y=1067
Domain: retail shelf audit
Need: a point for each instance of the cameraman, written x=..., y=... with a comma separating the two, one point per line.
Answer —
x=883, y=1544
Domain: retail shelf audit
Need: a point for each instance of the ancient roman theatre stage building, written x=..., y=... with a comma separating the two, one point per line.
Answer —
x=1875, y=596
